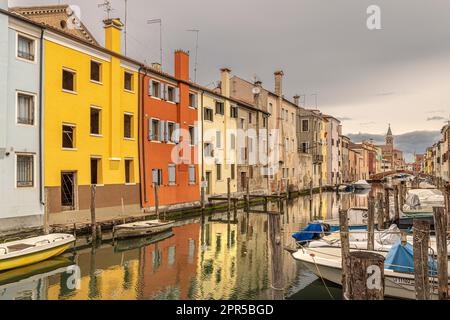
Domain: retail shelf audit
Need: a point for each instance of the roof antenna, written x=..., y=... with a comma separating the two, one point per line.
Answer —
x=108, y=8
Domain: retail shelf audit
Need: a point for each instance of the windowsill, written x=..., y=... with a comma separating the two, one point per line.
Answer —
x=129, y=91
x=25, y=187
x=69, y=149
x=114, y=159
x=172, y=185
x=99, y=185
x=130, y=184
x=26, y=60
x=70, y=92
x=129, y=139
x=96, y=135
x=156, y=141
x=26, y=125
x=97, y=82
x=155, y=98
x=193, y=108
x=171, y=102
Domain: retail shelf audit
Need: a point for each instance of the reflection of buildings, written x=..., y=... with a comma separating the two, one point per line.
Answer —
x=217, y=274
x=168, y=268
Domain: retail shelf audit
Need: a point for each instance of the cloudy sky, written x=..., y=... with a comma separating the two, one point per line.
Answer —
x=399, y=74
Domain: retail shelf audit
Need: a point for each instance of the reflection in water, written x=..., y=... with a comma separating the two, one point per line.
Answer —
x=222, y=256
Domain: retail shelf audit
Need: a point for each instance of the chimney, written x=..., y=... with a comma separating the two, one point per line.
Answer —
x=113, y=29
x=225, y=87
x=297, y=100
x=279, y=83
x=157, y=66
x=182, y=65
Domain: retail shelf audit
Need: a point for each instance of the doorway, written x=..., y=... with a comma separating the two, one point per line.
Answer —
x=208, y=180
x=68, y=183
x=243, y=180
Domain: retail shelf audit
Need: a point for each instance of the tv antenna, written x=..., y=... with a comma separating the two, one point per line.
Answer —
x=107, y=7
x=158, y=21
x=196, y=52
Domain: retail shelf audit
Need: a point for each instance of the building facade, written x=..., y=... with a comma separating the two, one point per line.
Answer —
x=91, y=116
x=334, y=132
x=170, y=124
x=21, y=193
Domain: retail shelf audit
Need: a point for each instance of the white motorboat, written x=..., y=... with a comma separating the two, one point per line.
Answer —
x=362, y=185
x=326, y=263
x=141, y=229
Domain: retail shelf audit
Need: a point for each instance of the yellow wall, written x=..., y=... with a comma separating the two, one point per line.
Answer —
x=324, y=151
x=62, y=107
x=222, y=123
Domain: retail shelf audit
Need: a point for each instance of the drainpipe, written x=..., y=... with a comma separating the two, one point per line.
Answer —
x=41, y=107
x=143, y=171
x=203, y=153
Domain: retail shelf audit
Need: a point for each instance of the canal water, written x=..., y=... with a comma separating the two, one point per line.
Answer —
x=201, y=258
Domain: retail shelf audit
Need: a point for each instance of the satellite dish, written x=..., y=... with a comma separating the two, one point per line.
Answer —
x=256, y=90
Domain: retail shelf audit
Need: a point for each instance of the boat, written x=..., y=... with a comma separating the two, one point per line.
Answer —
x=357, y=220
x=383, y=240
x=123, y=245
x=422, y=201
x=141, y=229
x=362, y=184
x=29, y=251
x=399, y=281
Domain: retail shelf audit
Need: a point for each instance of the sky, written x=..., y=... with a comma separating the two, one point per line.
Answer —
x=398, y=75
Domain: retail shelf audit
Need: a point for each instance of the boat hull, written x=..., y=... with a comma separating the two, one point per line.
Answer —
x=33, y=258
x=130, y=232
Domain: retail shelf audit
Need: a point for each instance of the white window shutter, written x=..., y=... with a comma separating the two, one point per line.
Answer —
x=160, y=90
x=195, y=101
x=150, y=87
x=161, y=130
x=155, y=176
x=166, y=131
x=177, y=95
x=177, y=133
x=150, y=129
x=195, y=136
x=166, y=92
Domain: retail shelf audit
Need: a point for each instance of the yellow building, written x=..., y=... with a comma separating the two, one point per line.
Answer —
x=91, y=99
x=218, y=116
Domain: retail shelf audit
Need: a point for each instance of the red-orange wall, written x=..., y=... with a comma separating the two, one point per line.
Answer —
x=158, y=155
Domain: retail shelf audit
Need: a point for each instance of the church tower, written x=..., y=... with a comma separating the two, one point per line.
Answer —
x=390, y=138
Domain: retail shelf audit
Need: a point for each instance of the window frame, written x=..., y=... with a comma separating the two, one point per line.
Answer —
x=33, y=157
x=131, y=174
x=194, y=175
x=34, y=96
x=74, y=134
x=74, y=73
x=303, y=125
x=100, y=72
x=174, y=168
x=212, y=114
x=132, y=135
x=99, y=109
x=131, y=73
x=29, y=37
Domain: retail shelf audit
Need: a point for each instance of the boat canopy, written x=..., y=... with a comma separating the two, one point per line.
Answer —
x=401, y=259
x=309, y=233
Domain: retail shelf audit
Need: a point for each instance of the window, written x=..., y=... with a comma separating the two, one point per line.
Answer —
x=170, y=131
x=25, y=109
x=242, y=124
x=155, y=88
x=157, y=177
x=219, y=171
x=172, y=174
x=233, y=112
x=69, y=78
x=218, y=139
x=128, y=81
x=250, y=117
x=305, y=147
x=264, y=122
x=192, y=136
x=220, y=108
x=68, y=136
x=233, y=171
x=305, y=125
x=192, y=179
x=208, y=114
x=192, y=100
x=96, y=71
x=95, y=121
x=155, y=130
x=129, y=176
x=25, y=48
x=233, y=141
x=208, y=150
x=95, y=171
x=170, y=94
x=270, y=108
x=25, y=171
x=128, y=126
x=250, y=172
x=292, y=118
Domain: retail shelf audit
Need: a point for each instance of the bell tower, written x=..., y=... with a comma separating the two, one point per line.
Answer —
x=390, y=138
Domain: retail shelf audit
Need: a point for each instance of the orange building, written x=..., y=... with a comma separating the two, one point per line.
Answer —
x=169, y=138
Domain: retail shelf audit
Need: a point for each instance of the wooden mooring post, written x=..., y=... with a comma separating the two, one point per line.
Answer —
x=156, y=200
x=247, y=186
x=396, y=205
x=276, y=247
x=371, y=224
x=229, y=194
x=421, y=239
x=387, y=207
x=93, y=218
x=345, y=251
x=366, y=276
x=440, y=225
x=380, y=211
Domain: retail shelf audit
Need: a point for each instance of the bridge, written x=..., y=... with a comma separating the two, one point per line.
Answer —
x=381, y=176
